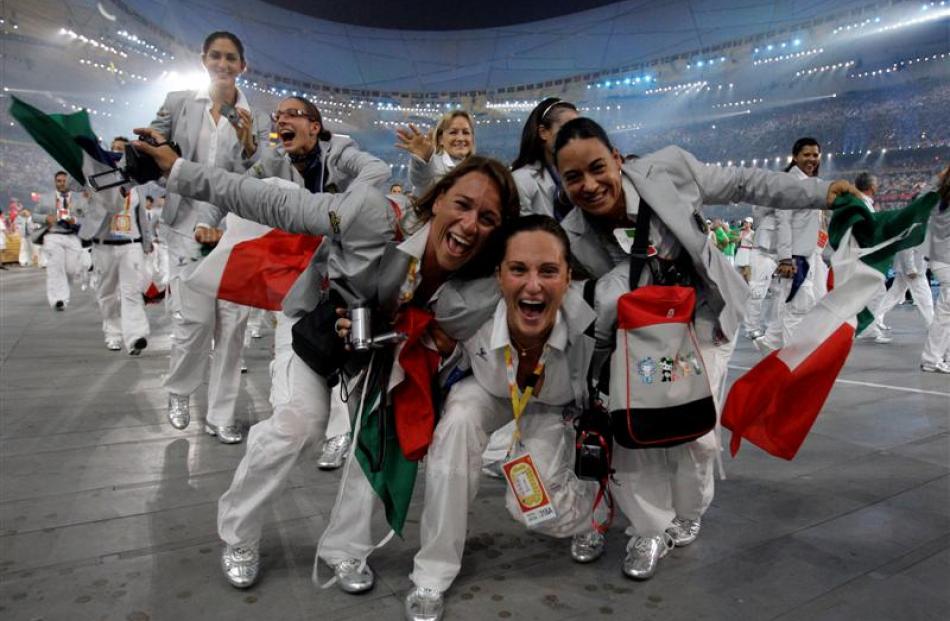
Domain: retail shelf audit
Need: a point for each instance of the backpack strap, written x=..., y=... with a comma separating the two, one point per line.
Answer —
x=641, y=242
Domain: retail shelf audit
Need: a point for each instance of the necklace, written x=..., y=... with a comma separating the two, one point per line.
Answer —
x=522, y=350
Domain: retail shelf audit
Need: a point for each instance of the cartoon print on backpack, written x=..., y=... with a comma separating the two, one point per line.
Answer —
x=682, y=366
x=646, y=367
x=666, y=369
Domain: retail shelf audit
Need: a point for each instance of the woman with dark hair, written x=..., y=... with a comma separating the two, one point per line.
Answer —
x=308, y=153
x=530, y=360
x=449, y=234
x=801, y=271
x=434, y=154
x=212, y=125
x=665, y=491
x=539, y=184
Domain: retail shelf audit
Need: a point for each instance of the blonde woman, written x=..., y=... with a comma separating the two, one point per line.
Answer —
x=438, y=152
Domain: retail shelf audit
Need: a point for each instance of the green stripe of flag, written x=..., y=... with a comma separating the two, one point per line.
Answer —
x=56, y=134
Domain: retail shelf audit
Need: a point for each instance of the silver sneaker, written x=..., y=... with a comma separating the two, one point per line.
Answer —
x=256, y=333
x=938, y=367
x=241, y=565
x=424, y=605
x=753, y=334
x=587, y=547
x=683, y=531
x=334, y=452
x=178, y=411
x=113, y=344
x=643, y=555
x=226, y=434
x=243, y=365
x=762, y=346
x=354, y=576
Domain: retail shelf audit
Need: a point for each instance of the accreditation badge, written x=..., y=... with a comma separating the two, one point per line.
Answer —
x=121, y=224
x=525, y=483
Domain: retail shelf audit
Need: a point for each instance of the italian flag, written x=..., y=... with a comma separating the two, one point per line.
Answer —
x=67, y=138
x=775, y=404
x=253, y=264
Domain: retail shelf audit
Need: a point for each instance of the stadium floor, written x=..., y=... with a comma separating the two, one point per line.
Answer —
x=106, y=512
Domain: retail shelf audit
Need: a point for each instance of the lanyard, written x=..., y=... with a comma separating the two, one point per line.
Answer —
x=519, y=400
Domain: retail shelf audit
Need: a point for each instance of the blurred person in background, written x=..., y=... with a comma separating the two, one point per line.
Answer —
x=433, y=155
x=935, y=357
x=745, y=244
x=63, y=209
x=800, y=265
x=121, y=237
x=539, y=185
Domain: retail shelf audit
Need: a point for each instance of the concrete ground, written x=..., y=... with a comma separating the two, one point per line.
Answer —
x=106, y=512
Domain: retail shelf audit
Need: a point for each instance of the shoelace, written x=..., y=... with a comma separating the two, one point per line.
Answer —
x=427, y=600
x=589, y=540
x=243, y=553
x=643, y=544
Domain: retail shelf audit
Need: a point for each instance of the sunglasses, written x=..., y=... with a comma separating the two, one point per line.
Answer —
x=292, y=113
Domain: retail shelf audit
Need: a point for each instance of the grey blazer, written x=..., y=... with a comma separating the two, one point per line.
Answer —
x=535, y=189
x=107, y=202
x=357, y=223
x=766, y=229
x=180, y=119
x=47, y=206
x=677, y=185
x=423, y=174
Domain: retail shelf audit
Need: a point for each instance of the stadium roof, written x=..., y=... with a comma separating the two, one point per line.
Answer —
x=460, y=56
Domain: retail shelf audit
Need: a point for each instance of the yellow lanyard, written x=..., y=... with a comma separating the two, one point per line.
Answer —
x=408, y=288
x=519, y=400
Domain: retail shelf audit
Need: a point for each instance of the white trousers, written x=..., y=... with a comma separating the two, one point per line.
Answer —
x=787, y=315
x=763, y=266
x=452, y=476
x=653, y=486
x=919, y=291
x=27, y=251
x=64, y=263
x=937, y=345
x=118, y=291
x=281, y=387
x=202, y=325
x=274, y=445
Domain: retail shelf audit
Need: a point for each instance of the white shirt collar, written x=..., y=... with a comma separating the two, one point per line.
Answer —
x=500, y=336
x=415, y=244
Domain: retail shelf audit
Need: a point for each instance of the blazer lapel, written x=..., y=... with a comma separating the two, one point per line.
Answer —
x=192, y=117
x=655, y=187
x=583, y=244
x=392, y=273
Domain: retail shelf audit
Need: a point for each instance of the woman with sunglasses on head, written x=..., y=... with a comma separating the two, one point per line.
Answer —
x=539, y=184
x=450, y=236
x=309, y=156
x=433, y=155
x=665, y=491
x=212, y=125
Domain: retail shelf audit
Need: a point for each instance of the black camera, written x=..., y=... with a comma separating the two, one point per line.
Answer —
x=139, y=168
x=593, y=447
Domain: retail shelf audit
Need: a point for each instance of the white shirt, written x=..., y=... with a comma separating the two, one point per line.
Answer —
x=486, y=353
x=216, y=141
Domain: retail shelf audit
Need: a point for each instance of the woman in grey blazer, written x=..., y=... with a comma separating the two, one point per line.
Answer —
x=452, y=140
x=665, y=491
x=539, y=185
x=452, y=233
x=212, y=125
